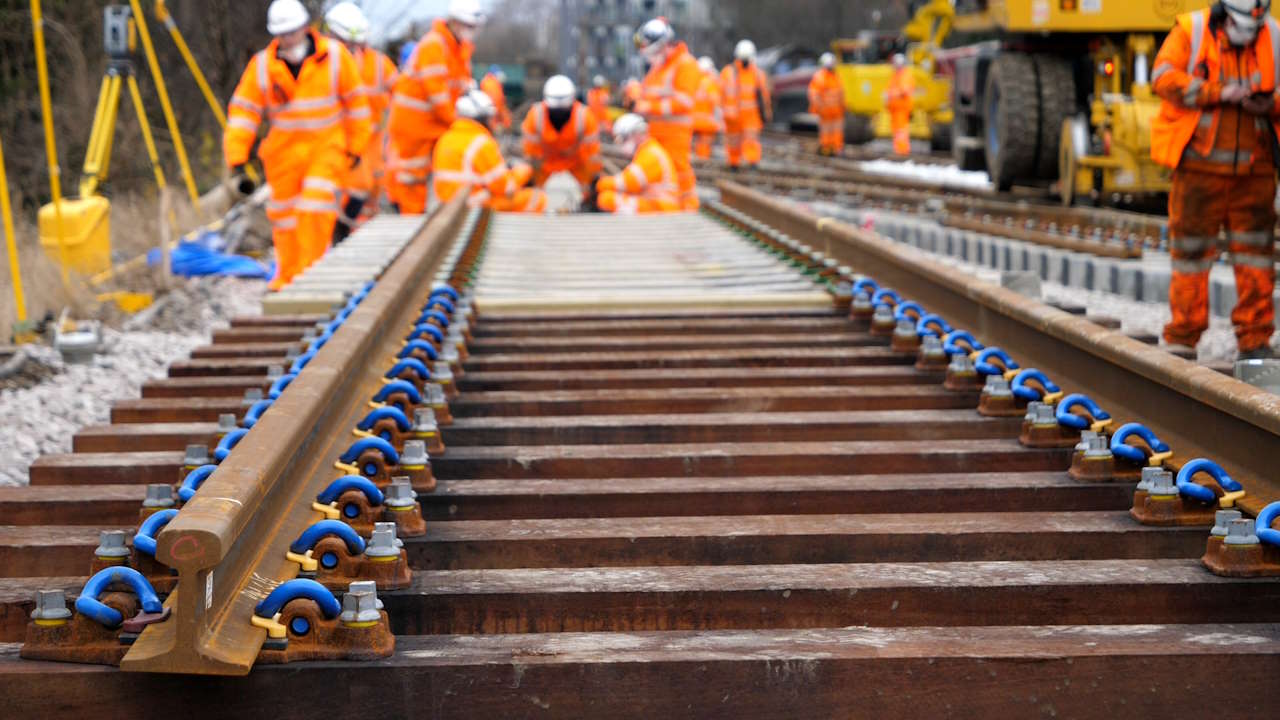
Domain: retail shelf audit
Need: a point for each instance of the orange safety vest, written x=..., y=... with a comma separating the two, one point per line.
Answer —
x=826, y=94
x=666, y=99
x=902, y=90
x=493, y=88
x=739, y=89
x=576, y=143
x=598, y=102
x=379, y=75
x=467, y=155
x=650, y=178
x=1176, y=125
x=708, y=118
x=323, y=107
x=437, y=73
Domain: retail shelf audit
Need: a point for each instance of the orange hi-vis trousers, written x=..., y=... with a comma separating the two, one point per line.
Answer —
x=742, y=143
x=1201, y=205
x=304, y=209
x=831, y=133
x=900, y=121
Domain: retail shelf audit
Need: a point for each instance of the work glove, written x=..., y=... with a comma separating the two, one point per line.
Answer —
x=353, y=161
x=240, y=181
x=1260, y=104
x=1233, y=95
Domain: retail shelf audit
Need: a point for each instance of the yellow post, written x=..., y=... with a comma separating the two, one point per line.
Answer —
x=11, y=240
x=162, y=14
x=50, y=142
x=163, y=92
x=146, y=133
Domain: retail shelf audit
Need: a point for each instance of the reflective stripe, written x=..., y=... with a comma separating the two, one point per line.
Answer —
x=1197, y=37
x=246, y=104
x=279, y=206
x=1261, y=262
x=637, y=174
x=363, y=113
x=415, y=162
x=262, y=59
x=318, y=206
x=581, y=124
x=439, y=98
x=411, y=103
x=1223, y=157
x=310, y=124
x=1206, y=120
x=1191, y=267
x=1192, y=92
x=1194, y=245
x=315, y=183
x=285, y=223
x=241, y=123
x=1274, y=27
x=429, y=72
x=320, y=103
x=1160, y=70
x=1260, y=239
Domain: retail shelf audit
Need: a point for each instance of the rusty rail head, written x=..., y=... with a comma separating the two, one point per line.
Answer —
x=1198, y=411
x=228, y=544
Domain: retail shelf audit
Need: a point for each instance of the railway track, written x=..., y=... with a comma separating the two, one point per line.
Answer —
x=679, y=477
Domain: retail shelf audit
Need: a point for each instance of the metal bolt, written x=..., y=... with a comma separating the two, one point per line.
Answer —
x=961, y=364
x=1162, y=484
x=931, y=345
x=360, y=607
x=291, y=355
x=393, y=529
x=253, y=395
x=111, y=544
x=862, y=300
x=1242, y=532
x=435, y=393
x=196, y=456
x=382, y=543
x=1149, y=475
x=399, y=494
x=441, y=371
x=275, y=372
x=415, y=453
x=1041, y=414
x=366, y=586
x=1222, y=519
x=883, y=314
x=227, y=423
x=905, y=328
x=424, y=420
x=997, y=386
x=51, y=605
x=1098, y=447
x=159, y=495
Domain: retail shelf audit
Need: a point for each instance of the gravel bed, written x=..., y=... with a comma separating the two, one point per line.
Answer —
x=41, y=419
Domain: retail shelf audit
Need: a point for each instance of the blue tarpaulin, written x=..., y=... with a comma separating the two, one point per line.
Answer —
x=200, y=256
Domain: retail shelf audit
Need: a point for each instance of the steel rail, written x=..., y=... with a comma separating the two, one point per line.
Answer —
x=228, y=543
x=1199, y=412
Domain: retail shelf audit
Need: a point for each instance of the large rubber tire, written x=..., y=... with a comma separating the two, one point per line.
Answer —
x=1011, y=120
x=1057, y=80
x=858, y=130
x=940, y=137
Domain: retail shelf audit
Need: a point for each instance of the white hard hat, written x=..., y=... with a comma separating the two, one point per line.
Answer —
x=629, y=126
x=286, y=16
x=653, y=37
x=467, y=12
x=827, y=60
x=599, y=81
x=558, y=92
x=744, y=50
x=707, y=64
x=348, y=22
x=476, y=105
x=1248, y=15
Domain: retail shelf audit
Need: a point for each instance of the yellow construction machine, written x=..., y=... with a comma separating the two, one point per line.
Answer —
x=865, y=69
x=1059, y=92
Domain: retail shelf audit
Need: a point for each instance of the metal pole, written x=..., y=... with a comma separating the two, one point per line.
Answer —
x=11, y=241
x=165, y=105
x=50, y=142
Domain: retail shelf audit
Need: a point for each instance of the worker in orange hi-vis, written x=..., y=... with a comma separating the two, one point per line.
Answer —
x=667, y=100
x=648, y=184
x=826, y=100
x=308, y=90
x=708, y=117
x=747, y=106
x=598, y=101
x=422, y=104
x=467, y=157
x=492, y=85
x=1217, y=76
x=560, y=134
x=900, y=97
x=631, y=91
x=348, y=24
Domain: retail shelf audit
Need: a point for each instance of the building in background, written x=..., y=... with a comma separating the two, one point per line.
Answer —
x=596, y=35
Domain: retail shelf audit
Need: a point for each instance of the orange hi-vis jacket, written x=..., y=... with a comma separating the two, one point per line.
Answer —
x=738, y=88
x=437, y=73
x=647, y=185
x=901, y=91
x=667, y=97
x=379, y=75
x=575, y=145
x=598, y=103
x=826, y=94
x=493, y=88
x=708, y=117
x=468, y=155
x=324, y=107
x=1191, y=70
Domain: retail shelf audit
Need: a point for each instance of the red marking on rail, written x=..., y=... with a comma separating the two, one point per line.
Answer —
x=178, y=553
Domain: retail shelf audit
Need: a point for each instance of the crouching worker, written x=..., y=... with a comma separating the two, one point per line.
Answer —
x=467, y=155
x=649, y=183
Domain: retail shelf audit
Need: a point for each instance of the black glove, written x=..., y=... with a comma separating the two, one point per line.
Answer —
x=241, y=182
x=353, y=160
